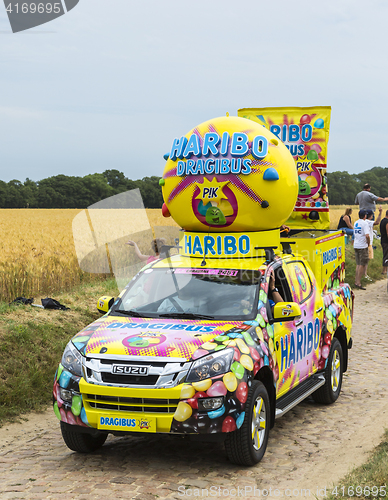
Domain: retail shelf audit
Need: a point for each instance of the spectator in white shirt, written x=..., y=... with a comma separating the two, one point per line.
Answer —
x=371, y=223
x=361, y=243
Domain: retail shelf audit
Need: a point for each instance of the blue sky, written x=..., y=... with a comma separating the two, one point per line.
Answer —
x=112, y=82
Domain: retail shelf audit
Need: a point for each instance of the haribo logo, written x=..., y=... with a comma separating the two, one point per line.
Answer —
x=26, y=14
x=296, y=346
x=237, y=146
x=287, y=311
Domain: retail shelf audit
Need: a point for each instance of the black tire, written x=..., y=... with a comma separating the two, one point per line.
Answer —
x=241, y=447
x=328, y=393
x=81, y=441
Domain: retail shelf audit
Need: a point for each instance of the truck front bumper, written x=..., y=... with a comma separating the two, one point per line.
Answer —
x=129, y=409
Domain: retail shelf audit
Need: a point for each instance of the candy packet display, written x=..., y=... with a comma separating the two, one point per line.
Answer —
x=305, y=132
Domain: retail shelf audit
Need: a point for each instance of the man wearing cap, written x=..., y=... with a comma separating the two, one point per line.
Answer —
x=361, y=243
x=369, y=219
x=367, y=200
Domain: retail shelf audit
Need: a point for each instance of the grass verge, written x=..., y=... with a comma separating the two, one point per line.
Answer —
x=367, y=481
x=31, y=344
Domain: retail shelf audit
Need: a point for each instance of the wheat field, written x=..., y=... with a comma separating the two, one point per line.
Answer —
x=39, y=256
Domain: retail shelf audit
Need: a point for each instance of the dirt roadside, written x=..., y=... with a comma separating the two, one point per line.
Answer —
x=312, y=447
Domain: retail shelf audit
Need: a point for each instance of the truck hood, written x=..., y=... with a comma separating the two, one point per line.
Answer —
x=171, y=338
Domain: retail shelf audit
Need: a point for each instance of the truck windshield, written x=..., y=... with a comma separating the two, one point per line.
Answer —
x=192, y=293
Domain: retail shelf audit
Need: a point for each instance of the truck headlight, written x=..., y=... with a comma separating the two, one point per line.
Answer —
x=72, y=360
x=211, y=365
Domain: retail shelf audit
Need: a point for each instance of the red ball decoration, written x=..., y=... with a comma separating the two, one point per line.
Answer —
x=165, y=211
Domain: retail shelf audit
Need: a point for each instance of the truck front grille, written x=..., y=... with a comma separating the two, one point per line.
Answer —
x=137, y=405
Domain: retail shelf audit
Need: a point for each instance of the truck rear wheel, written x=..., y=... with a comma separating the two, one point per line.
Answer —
x=247, y=445
x=81, y=441
x=328, y=393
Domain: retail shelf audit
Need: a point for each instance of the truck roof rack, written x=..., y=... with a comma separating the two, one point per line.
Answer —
x=287, y=246
x=269, y=252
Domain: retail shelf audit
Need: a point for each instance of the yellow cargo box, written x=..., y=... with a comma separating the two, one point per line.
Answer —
x=323, y=250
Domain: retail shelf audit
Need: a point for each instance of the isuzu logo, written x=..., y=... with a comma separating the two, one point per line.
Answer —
x=130, y=370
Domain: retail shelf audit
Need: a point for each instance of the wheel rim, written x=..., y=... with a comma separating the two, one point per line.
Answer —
x=335, y=371
x=259, y=423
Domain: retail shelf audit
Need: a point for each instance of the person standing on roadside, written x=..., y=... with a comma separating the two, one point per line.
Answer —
x=384, y=241
x=367, y=200
x=361, y=243
x=371, y=223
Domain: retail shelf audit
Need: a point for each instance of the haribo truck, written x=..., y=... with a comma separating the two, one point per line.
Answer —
x=230, y=330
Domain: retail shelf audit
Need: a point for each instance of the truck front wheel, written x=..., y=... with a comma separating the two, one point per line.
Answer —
x=247, y=445
x=329, y=392
x=81, y=441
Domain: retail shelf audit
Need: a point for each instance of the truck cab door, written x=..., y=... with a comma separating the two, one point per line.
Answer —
x=283, y=375
x=304, y=337
x=296, y=342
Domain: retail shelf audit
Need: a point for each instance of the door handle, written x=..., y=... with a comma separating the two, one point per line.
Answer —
x=319, y=310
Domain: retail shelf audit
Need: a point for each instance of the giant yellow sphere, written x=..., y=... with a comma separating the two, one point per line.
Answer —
x=229, y=174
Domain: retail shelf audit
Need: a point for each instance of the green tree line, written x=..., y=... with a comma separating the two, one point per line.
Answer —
x=63, y=191
x=343, y=187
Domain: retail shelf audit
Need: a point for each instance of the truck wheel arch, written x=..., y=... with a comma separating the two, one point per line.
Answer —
x=340, y=334
x=265, y=376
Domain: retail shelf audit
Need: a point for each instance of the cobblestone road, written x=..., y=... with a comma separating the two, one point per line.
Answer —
x=312, y=446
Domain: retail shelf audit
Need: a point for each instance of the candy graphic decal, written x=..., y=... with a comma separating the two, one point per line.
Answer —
x=214, y=216
x=305, y=132
x=72, y=410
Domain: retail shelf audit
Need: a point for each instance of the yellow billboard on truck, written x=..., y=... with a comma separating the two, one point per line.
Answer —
x=305, y=133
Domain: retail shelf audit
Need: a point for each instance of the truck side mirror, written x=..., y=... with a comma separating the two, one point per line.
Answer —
x=104, y=304
x=286, y=311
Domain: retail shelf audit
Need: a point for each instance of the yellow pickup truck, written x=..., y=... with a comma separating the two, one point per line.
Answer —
x=227, y=334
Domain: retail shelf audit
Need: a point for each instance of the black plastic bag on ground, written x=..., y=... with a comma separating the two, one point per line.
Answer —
x=22, y=300
x=49, y=303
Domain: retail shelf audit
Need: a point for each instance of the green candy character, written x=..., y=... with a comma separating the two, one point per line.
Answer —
x=215, y=216
x=304, y=188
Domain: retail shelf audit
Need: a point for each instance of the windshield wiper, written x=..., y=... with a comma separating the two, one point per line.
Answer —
x=185, y=315
x=135, y=314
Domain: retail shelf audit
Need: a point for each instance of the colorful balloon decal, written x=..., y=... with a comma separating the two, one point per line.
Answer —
x=73, y=412
x=338, y=302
